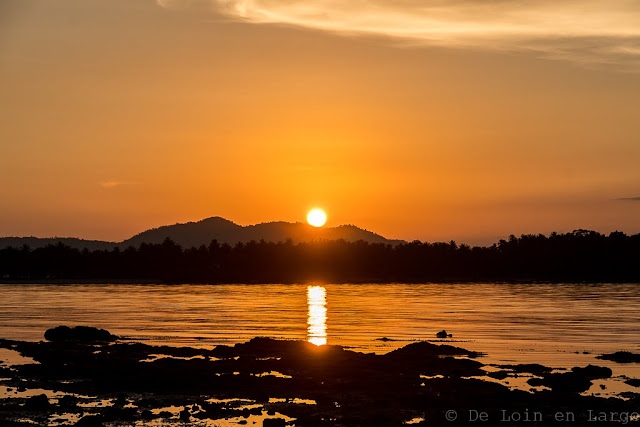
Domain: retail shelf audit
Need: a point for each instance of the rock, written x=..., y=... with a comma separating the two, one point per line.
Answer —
x=499, y=375
x=120, y=401
x=146, y=415
x=78, y=334
x=633, y=382
x=273, y=422
x=90, y=421
x=576, y=381
x=422, y=350
x=37, y=403
x=185, y=415
x=443, y=334
x=352, y=388
x=385, y=339
x=148, y=403
x=621, y=357
x=630, y=395
x=567, y=382
x=593, y=372
x=68, y=402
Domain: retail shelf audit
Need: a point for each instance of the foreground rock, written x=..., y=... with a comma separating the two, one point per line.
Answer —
x=578, y=380
x=78, y=334
x=621, y=357
x=264, y=379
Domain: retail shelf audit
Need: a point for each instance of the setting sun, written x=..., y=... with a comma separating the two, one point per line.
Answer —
x=317, y=217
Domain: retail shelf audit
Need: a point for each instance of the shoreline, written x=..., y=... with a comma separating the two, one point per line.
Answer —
x=290, y=383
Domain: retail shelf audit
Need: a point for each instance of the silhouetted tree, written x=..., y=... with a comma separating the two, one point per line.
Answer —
x=581, y=255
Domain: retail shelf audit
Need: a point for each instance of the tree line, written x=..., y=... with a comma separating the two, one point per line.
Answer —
x=572, y=257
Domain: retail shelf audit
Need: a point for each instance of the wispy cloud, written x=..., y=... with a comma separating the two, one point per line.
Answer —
x=603, y=31
x=110, y=184
x=635, y=199
x=115, y=183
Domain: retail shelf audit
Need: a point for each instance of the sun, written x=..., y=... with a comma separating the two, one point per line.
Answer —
x=317, y=217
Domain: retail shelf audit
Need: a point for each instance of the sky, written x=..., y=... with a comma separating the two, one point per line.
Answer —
x=432, y=120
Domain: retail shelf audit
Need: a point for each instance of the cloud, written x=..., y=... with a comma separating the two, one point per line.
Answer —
x=174, y=4
x=591, y=31
x=110, y=184
x=635, y=199
x=115, y=183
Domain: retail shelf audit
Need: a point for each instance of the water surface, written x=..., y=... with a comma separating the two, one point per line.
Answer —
x=553, y=324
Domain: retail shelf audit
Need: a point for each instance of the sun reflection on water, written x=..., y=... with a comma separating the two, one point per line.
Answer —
x=317, y=320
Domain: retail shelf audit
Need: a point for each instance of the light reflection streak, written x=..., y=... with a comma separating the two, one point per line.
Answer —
x=317, y=320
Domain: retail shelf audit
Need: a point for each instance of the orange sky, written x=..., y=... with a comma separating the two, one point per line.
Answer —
x=453, y=121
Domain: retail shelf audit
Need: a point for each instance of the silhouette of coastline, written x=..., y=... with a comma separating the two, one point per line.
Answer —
x=580, y=256
x=281, y=380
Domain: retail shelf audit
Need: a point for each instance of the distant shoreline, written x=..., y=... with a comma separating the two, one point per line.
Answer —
x=578, y=257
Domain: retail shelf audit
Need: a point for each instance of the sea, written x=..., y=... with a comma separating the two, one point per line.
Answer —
x=557, y=325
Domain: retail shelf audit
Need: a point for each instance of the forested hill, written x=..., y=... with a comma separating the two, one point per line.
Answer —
x=580, y=256
x=41, y=242
x=194, y=234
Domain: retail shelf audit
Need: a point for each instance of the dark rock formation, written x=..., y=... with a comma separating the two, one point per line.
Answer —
x=37, y=403
x=593, y=372
x=577, y=380
x=633, y=382
x=621, y=357
x=420, y=380
x=90, y=421
x=273, y=422
x=530, y=368
x=78, y=334
x=443, y=334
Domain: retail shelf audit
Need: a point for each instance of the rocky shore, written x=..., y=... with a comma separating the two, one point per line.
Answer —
x=84, y=376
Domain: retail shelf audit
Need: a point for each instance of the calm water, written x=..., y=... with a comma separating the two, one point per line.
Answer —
x=547, y=324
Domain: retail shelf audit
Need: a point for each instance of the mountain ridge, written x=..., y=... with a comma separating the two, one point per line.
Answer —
x=197, y=233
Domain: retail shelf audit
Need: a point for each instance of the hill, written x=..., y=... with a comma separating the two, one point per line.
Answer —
x=224, y=231
x=199, y=233
x=40, y=242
